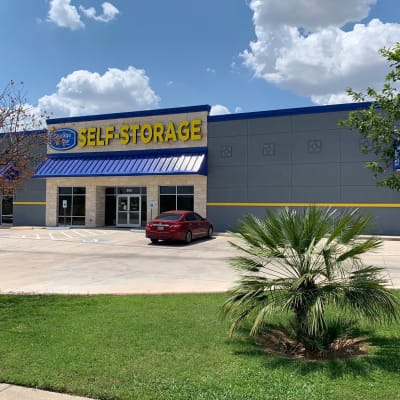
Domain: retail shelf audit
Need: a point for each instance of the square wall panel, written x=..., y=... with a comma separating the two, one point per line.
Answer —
x=322, y=174
x=227, y=151
x=270, y=125
x=270, y=149
x=315, y=147
x=316, y=194
x=269, y=175
x=226, y=128
x=228, y=176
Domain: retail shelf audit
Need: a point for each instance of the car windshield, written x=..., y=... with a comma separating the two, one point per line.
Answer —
x=169, y=217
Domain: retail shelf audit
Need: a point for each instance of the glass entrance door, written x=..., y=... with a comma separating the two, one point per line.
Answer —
x=7, y=209
x=128, y=210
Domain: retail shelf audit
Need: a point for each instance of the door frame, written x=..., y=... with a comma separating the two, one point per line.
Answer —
x=8, y=217
x=139, y=211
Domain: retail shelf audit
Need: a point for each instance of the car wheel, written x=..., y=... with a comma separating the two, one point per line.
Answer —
x=210, y=231
x=154, y=241
x=188, y=238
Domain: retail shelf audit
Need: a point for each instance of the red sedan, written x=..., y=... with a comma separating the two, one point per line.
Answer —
x=178, y=225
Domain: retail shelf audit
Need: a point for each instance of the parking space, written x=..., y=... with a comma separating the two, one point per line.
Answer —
x=109, y=261
x=93, y=261
x=57, y=234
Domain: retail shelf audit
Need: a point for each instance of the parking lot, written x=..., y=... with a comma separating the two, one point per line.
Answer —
x=92, y=261
x=89, y=261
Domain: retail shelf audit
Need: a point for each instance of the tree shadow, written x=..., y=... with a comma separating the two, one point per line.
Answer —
x=383, y=353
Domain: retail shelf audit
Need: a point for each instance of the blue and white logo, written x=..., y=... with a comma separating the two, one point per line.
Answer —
x=63, y=139
x=396, y=162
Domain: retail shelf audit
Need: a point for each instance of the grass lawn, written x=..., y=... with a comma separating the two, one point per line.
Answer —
x=171, y=347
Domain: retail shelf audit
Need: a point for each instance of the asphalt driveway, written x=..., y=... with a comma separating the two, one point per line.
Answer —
x=93, y=261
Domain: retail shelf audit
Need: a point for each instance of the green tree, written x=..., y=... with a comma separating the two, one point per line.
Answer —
x=379, y=124
x=302, y=264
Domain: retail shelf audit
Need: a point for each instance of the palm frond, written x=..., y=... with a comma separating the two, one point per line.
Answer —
x=368, y=245
x=367, y=294
x=356, y=225
x=303, y=263
x=247, y=263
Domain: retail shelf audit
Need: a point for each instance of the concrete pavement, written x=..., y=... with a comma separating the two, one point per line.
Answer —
x=80, y=261
x=12, y=392
x=112, y=261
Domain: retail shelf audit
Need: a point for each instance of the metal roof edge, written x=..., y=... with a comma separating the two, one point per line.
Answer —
x=131, y=114
x=290, y=111
x=201, y=172
x=25, y=132
x=130, y=153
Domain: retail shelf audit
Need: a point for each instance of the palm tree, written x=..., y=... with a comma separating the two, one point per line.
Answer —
x=302, y=263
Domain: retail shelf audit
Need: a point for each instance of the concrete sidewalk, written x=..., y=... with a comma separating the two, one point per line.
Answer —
x=12, y=392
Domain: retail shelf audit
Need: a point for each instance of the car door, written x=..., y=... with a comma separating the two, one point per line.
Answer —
x=193, y=224
x=202, y=225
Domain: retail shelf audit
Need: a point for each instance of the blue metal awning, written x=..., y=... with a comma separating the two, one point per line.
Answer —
x=8, y=171
x=4, y=169
x=171, y=162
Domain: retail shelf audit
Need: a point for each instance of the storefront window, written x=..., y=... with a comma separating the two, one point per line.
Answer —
x=176, y=198
x=6, y=207
x=71, y=205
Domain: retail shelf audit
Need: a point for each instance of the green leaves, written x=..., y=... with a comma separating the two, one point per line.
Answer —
x=300, y=263
x=379, y=124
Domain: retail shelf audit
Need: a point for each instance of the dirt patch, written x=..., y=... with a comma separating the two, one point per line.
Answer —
x=279, y=343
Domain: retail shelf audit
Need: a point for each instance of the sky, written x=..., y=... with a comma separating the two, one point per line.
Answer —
x=85, y=57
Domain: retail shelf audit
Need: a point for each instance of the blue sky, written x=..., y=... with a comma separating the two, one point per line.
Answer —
x=80, y=57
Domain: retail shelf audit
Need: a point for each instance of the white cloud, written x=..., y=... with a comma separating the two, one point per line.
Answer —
x=302, y=46
x=308, y=14
x=211, y=70
x=332, y=99
x=65, y=15
x=109, y=12
x=219, y=109
x=84, y=92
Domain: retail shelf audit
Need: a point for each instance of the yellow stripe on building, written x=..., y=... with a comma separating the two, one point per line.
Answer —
x=350, y=205
x=29, y=203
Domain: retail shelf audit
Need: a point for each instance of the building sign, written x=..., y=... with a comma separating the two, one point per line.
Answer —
x=396, y=162
x=63, y=139
x=146, y=133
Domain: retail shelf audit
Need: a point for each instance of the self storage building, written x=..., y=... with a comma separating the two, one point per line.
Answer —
x=122, y=169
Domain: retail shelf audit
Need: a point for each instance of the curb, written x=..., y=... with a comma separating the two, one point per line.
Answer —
x=14, y=392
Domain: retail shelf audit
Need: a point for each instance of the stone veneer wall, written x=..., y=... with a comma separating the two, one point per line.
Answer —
x=95, y=196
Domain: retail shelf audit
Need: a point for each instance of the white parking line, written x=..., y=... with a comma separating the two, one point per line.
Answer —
x=67, y=235
x=92, y=235
x=54, y=238
x=79, y=233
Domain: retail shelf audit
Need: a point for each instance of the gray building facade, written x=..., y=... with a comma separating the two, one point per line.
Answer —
x=265, y=160
x=255, y=162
